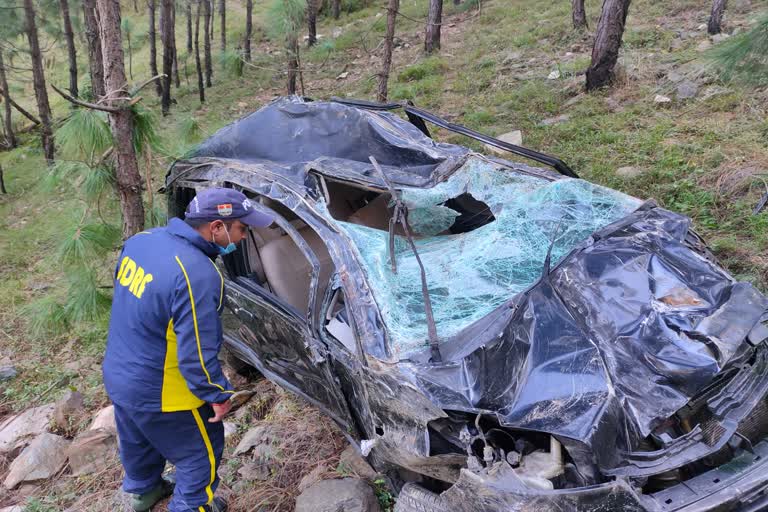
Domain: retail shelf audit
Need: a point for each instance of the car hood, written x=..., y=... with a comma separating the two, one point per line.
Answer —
x=615, y=339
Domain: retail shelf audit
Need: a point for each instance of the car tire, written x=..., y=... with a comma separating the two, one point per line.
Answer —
x=415, y=498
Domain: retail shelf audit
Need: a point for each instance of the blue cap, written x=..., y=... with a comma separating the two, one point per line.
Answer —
x=226, y=204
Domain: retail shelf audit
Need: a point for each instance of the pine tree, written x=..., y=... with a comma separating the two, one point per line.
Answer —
x=578, y=14
x=285, y=20
x=95, y=60
x=248, y=29
x=69, y=36
x=744, y=57
x=389, y=42
x=10, y=137
x=38, y=81
x=434, y=22
x=152, y=35
x=605, y=53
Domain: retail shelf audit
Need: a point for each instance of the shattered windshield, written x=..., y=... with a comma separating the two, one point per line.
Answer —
x=472, y=273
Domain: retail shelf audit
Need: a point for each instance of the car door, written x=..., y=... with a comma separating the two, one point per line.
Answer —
x=276, y=338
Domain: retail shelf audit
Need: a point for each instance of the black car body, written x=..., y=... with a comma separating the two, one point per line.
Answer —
x=591, y=354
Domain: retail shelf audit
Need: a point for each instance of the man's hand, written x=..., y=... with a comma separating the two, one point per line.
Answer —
x=219, y=411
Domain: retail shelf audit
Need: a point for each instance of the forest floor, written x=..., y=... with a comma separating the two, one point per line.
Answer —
x=503, y=66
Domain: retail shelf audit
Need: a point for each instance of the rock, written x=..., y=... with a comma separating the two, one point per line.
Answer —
x=42, y=459
x=230, y=429
x=512, y=58
x=337, y=32
x=629, y=172
x=68, y=409
x=742, y=6
x=687, y=90
x=105, y=420
x=7, y=372
x=514, y=137
x=719, y=38
x=571, y=102
x=353, y=462
x=252, y=438
x=346, y=494
x=242, y=104
x=240, y=398
x=554, y=75
x=674, y=76
x=91, y=451
x=704, y=45
x=16, y=429
x=14, y=508
x=661, y=99
x=555, y=120
x=613, y=105
x=311, y=478
x=254, y=471
x=714, y=91
x=343, y=75
x=703, y=26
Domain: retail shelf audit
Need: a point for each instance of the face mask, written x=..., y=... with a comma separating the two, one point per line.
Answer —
x=230, y=248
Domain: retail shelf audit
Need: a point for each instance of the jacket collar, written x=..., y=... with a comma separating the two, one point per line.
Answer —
x=181, y=229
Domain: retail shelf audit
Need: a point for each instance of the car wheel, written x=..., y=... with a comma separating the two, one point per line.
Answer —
x=415, y=498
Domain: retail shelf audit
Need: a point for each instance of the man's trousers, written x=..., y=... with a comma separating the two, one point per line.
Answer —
x=184, y=438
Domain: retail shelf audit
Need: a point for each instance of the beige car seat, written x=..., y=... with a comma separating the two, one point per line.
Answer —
x=288, y=271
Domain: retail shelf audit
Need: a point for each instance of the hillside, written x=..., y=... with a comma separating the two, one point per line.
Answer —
x=504, y=65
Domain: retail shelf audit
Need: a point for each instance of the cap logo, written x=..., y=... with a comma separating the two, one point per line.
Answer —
x=225, y=210
x=247, y=204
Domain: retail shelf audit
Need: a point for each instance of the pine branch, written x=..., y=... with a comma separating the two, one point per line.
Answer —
x=94, y=106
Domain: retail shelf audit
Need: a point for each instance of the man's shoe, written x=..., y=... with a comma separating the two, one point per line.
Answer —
x=144, y=502
x=217, y=505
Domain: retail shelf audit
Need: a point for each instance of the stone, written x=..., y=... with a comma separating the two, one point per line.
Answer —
x=687, y=90
x=15, y=430
x=571, y=102
x=242, y=104
x=613, y=105
x=14, y=508
x=104, y=420
x=7, y=372
x=674, y=76
x=742, y=6
x=512, y=58
x=714, y=91
x=337, y=32
x=703, y=26
x=555, y=120
x=704, y=45
x=719, y=38
x=251, y=439
x=42, y=459
x=230, y=429
x=254, y=471
x=240, y=398
x=311, y=478
x=343, y=75
x=350, y=460
x=345, y=494
x=554, y=75
x=661, y=99
x=68, y=409
x=514, y=137
x=629, y=172
x=92, y=451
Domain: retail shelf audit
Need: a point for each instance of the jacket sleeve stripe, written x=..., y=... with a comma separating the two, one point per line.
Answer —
x=221, y=294
x=197, y=332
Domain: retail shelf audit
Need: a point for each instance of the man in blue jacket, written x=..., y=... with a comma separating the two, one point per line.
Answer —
x=161, y=368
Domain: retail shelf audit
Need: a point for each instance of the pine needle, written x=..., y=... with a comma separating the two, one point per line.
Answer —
x=232, y=63
x=97, y=180
x=744, y=57
x=285, y=17
x=85, y=301
x=46, y=317
x=85, y=134
x=85, y=242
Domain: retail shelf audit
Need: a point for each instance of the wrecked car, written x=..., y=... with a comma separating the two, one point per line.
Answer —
x=499, y=336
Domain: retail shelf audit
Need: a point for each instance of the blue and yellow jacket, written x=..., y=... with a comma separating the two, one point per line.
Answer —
x=165, y=330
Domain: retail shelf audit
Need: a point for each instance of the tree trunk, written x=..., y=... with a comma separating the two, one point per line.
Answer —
x=207, y=41
x=579, y=14
x=152, y=35
x=69, y=35
x=312, y=22
x=389, y=41
x=166, y=34
x=715, y=25
x=95, y=62
x=127, y=171
x=293, y=62
x=223, y=14
x=136, y=6
x=434, y=22
x=20, y=109
x=212, y=11
x=7, y=121
x=605, y=53
x=336, y=9
x=198, y=66
x=189, y=25
x=38, y=80
x=2, y=181
x=176, y=79
x=248, y=29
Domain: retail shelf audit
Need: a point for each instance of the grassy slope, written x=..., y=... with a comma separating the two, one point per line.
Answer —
x=698, y=157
